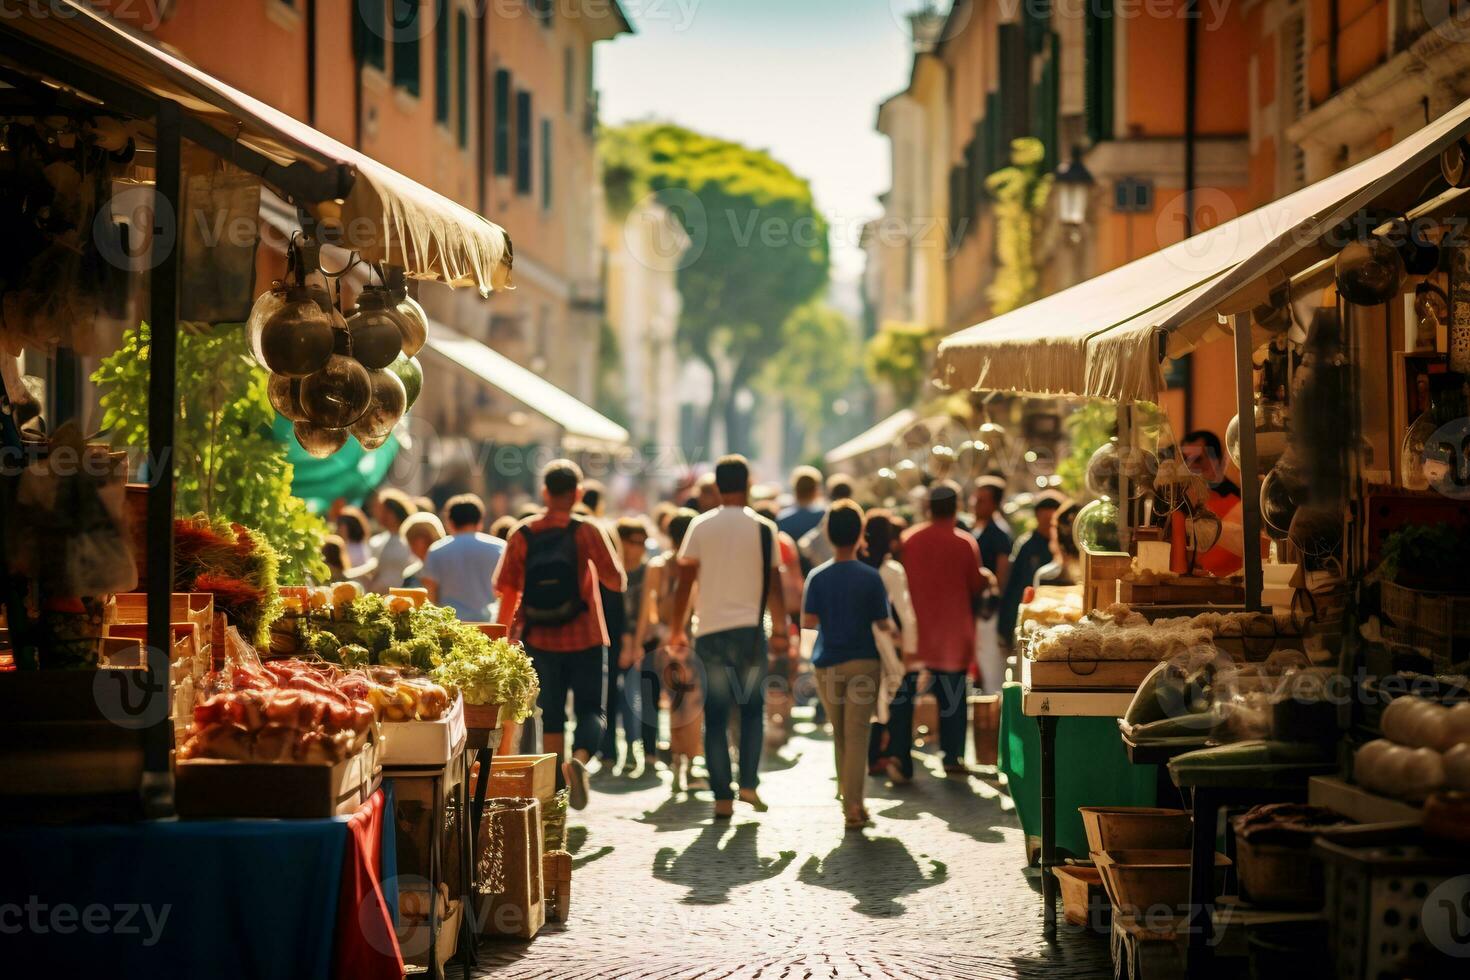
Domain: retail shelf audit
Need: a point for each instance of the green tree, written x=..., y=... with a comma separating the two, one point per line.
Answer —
x=817, y=363
x=227, y=463
x=1019, y=192
x=898, y=355
x=758, y=245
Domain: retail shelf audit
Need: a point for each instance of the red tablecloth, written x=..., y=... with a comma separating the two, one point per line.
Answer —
x=367, y=947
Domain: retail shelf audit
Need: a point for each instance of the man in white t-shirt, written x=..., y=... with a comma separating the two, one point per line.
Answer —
x=733, y=554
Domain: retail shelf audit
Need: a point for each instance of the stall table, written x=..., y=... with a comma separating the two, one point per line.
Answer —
x=1048, y=707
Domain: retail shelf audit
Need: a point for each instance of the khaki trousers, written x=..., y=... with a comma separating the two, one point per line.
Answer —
x=849, y=692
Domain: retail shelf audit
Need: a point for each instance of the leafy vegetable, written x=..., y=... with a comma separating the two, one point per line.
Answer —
x=489, y=671
x=1424, y=553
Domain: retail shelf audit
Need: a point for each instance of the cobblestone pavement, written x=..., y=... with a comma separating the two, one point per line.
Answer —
x=937, y=889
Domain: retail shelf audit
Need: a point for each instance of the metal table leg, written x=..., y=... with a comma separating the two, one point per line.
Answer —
x=1202, y=881
x=468, y=959
x=1048, y=727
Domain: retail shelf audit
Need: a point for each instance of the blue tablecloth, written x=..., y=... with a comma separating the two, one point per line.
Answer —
x=252, y=899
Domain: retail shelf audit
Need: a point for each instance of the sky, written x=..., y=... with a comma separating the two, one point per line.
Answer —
x=801, y=79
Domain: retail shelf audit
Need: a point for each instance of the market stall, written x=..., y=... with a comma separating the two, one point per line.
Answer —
x=154, y=666
x=1262, y=690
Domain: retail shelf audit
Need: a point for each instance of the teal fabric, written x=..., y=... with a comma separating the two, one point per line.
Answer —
x=1092, y=770
x=350, y=473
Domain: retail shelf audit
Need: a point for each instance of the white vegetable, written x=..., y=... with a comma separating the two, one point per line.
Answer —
x=1395, y=722
x=1458, y=723
x=1423, y=774
x=1429, y=726
x=1380, y=767
x=1457, y=767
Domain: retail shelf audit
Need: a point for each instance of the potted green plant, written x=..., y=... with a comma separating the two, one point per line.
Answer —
x=495, y=677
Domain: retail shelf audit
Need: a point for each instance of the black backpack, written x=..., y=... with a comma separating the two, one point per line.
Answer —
x=553, y=593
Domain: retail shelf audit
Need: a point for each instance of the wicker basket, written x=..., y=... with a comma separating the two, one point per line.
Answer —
x=1438, y=612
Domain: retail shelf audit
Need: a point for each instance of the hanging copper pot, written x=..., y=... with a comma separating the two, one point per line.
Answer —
x=285, y=397
x=266, y=305
x=318, y=441
x=1420, y=255
x=297, y=339
x=1369, y=272
x=338, y=394
x=413, y=322
x=389, y=401
x=377, y=337
x=411, y=373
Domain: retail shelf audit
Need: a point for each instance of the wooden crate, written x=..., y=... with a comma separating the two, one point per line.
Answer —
x=1101, y=573
x=556, y=874
x=985, y=720
x=1184, y=591
x=1072, y=675
x=212, y=788
x=525, y=776
x=511, y=899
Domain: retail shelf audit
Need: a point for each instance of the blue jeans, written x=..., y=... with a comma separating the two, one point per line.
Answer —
x=734, y=666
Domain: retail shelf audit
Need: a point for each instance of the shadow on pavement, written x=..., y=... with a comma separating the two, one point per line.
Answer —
x=682, y=812
x=877, y=871
x=711, y=871
x=951, y=800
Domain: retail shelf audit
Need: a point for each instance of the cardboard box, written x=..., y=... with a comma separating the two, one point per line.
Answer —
x=418, y=744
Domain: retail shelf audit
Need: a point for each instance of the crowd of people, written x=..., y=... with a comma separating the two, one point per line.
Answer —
x=702, y=621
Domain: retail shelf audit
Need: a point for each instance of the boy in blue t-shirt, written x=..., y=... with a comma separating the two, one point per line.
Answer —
x=844, y=600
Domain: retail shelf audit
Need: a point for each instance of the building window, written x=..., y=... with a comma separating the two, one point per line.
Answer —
x=462, y=79
x=524, y=124
x=406, y=29
x=569, y=79
x=502, y=122
x=546, y=164
x=441, y=63
x=369, y=25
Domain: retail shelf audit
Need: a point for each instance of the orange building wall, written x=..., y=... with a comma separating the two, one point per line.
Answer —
x=1155, y=56
x=1362, y=42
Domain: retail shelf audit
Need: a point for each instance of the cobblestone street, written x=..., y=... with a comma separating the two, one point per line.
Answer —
x=936, y=889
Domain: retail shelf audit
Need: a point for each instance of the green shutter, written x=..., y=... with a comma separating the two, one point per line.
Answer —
x=462, y=88
x=406, y=60
x=368, y=25
x=525, y=124
x=441, y=63
x=1098, y=70
x=1044, y=102
x=502, y=122
x=546, y=164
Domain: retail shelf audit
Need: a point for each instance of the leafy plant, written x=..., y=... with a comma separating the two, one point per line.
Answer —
x=898, y=355
x=1020, y=192
x=1424, y=553
x=490, y=671
x=235, y=565
x=227, y=464
x=817, y=364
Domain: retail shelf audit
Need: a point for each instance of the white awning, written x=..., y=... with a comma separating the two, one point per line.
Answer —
x=1105, y=338
x=880, y=436
x=582, y=426
x=384, y=216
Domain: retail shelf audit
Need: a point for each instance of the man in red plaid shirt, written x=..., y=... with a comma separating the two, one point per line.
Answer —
x=549, y=578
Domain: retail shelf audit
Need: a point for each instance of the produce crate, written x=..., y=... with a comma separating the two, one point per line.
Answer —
x=1278, y=875
x=417, y=744
x=511, y=897
x=1121, y=828
x=525, y=776
x=1084, y=902
x=1072, y=675
x=1377, y=886
x=1151, y=882
x=556, y=873
x=985, y=720
x=1436, y=612
x=213, y=788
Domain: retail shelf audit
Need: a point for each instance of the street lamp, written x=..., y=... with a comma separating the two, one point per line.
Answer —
x=1074, y=184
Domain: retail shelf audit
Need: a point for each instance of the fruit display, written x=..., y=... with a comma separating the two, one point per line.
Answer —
x=1425, y=748
x=286, y=711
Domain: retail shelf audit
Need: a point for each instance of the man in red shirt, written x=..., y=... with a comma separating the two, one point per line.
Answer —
x=549, y=577
x=946, y=583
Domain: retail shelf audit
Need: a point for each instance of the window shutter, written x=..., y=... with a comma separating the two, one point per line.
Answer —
x=525, y=123
x=546, y=164
x=462, y=87
x=1098, y=69
x=502, y=122
x=441, y=63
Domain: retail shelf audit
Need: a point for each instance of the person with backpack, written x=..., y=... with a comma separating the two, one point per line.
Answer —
x=549, y=581
x=731, y=553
